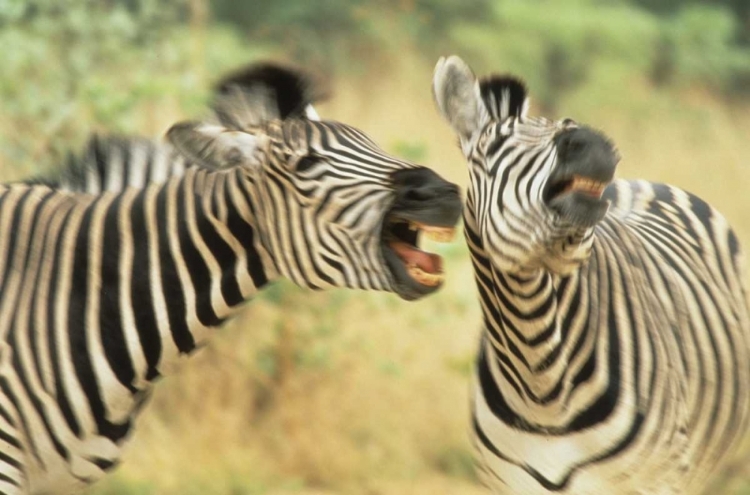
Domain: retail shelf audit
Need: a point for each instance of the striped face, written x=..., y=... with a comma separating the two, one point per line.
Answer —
x=537, y=185
x=332, y=208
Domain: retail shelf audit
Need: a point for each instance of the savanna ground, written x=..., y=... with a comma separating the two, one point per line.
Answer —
x=345, y=392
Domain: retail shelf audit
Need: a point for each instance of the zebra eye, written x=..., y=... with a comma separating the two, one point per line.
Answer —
x=233, y=157
x=306, y=163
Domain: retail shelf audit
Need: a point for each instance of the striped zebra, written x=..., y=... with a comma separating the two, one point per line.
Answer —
x=615, y=354
x=102, y=294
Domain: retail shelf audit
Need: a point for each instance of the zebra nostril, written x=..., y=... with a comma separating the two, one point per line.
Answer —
x=430, y=192
x=571, y=145
x=585, y=147
x=421, y=194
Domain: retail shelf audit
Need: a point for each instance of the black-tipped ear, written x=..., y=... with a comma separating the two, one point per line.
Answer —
x=504, y=96
x=264, y=91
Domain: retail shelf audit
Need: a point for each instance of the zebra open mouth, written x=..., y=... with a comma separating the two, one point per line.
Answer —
x=577, y=199
x=586, y=163
x=407, y=261
x=576, y=184
x=423, y=205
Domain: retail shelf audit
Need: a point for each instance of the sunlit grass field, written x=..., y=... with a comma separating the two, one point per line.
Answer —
x=344, y=392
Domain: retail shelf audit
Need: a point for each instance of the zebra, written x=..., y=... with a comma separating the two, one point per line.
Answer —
x=102, y=294
x=615, y=351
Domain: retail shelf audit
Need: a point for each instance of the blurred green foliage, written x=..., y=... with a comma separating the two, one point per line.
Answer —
x=556, y=45
x=61, y=60
x=63, y=67
x=327, y=32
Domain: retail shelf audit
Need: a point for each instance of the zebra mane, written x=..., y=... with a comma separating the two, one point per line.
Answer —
x=265, y=91
x=115, y=162
x=99, y=155
x=504, y=96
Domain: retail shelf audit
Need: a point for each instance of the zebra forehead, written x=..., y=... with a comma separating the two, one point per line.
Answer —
x=343, y=147
x=340, y=129
x=331, y=135
x=529, y=131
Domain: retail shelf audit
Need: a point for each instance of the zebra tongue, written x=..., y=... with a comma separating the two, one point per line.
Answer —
x=427, y=262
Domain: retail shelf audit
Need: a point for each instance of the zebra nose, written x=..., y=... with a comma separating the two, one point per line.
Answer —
x=423, y=185
x=429, y=192
x=587, y=152
x=425, y=197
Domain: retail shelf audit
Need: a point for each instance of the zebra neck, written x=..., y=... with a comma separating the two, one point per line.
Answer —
x=524, y=312
x=532, y=327
x=186, y=255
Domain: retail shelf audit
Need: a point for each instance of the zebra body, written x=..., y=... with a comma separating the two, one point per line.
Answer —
x=102, y=294
x=615, y=356
x=98, y=302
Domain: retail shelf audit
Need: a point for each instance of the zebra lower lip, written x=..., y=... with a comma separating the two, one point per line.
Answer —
x=423, y=277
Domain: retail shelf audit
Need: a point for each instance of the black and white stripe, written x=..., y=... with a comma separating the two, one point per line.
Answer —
x=615, y=356
x=112, y=275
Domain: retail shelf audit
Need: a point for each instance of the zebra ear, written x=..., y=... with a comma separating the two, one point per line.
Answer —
x=504, y=96
x=266, y=91
x=455, y=89
x=213, y=145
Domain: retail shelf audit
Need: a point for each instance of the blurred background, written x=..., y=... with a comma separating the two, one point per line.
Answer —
x=347, y=392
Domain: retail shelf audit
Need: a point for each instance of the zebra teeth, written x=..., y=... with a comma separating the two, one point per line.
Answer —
x=424, y=278
x=437, y=234
x=587, y=186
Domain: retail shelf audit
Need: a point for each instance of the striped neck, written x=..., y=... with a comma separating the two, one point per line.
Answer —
x=183, y=256
x=531, y=349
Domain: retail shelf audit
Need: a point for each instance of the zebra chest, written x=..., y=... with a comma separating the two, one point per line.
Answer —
x=62, y=461
x=72, y=474
x=588, y=405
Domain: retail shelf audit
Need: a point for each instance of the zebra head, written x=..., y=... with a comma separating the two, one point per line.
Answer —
x=537, y=185
x=333, y=209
